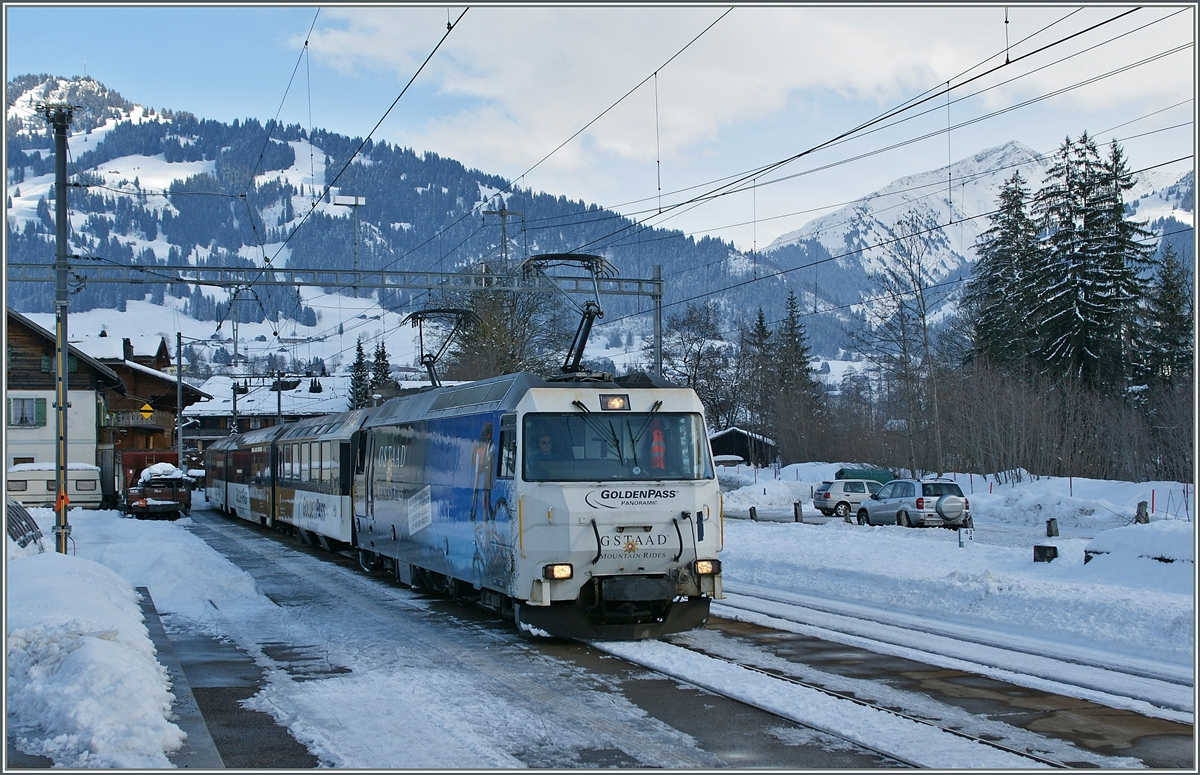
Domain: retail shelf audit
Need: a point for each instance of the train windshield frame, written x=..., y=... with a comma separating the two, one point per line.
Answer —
x=625, y=446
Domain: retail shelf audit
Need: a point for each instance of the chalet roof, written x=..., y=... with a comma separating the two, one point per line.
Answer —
x=197, y=393
x=106, y=374
x=739, y=432
x=112, y=347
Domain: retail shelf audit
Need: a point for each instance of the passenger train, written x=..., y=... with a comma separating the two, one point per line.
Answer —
x=582, y=506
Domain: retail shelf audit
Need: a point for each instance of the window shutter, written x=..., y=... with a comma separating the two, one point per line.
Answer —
x=72, y=363
x=47, y=363
x=39, y=411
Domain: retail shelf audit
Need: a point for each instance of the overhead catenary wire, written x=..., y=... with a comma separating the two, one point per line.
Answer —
x=330, y=184
x=438, y=234
x=638, y=227
x=934, y=184
x=697, y=201
x=602, y=113
x=739, y=184
x=640, y=230
x=856, y=251
x=286, y=90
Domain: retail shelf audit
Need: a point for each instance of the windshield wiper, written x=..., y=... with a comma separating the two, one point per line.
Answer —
x=642, y=430
x=607, y=434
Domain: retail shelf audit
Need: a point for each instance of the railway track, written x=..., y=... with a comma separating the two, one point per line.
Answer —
x=901, y=737
x=377, y=608
x=1141, y=685
x=873, y=725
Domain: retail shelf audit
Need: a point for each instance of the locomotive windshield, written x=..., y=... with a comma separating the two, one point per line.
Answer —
x=579, y=447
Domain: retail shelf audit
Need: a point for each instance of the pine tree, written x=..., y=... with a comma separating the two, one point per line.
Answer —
x=758, y=374
x=799, y=403
x=360, y=379
x=998, y=293
x=1126, y=247
x=1168, y=343
x=380, y=369
x=1088, y=279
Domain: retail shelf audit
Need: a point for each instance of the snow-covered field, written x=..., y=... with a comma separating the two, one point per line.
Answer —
x=84, y=689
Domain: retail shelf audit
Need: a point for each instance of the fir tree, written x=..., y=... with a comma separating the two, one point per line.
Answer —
x=759, y=377
x=1125, y=250
x=380, y=369
x=1168, y=343
x=799, y=401
x=1088, y=279
x=360, y=379
x=998, y=293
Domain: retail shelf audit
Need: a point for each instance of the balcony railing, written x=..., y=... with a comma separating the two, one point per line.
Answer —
x=204, y=433
x=134, y=419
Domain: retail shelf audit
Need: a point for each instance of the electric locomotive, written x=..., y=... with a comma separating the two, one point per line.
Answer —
x=586, y=509
x=583, y=505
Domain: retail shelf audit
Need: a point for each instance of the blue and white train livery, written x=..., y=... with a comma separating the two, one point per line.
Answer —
x=581, y=507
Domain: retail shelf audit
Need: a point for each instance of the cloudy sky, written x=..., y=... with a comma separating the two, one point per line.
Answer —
x=698, y=95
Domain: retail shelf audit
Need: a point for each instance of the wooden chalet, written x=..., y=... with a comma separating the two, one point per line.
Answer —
x=29, y=382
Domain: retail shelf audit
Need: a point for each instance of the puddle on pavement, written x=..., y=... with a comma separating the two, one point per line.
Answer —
x=302, y=663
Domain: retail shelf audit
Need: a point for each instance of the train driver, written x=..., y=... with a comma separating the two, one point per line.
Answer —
x=543, y=453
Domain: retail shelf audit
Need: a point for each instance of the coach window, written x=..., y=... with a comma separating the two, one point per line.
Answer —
x=326, y=462
x=507, y=464
x=286, y=470
x=304, y=462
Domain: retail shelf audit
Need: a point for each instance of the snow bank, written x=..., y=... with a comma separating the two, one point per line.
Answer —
x=1123, y=604
x=83, y=686
x=1168, y=539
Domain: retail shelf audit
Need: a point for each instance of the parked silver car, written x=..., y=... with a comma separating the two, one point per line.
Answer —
x=843, y=496
x=917, y=503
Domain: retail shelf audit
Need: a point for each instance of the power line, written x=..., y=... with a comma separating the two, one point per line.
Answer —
x=286, y=90
x=357, y=151
x=883, y=243
x=602, y=113
x=903, y=107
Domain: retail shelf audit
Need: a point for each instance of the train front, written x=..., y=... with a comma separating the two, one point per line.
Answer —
x=618, y=517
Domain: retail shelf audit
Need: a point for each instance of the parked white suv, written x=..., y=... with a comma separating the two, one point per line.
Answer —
x=917, y=503
x=843, y=497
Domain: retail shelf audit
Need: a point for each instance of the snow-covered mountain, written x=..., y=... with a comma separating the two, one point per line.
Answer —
x=834, y=255
x=136, y=159
x=951, y=198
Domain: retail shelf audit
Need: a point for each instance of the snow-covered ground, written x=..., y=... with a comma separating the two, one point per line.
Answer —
x=84, y=689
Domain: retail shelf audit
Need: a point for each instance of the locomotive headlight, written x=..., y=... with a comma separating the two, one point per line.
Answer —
x=614, y=403
x=559, y=571
x=707, y=567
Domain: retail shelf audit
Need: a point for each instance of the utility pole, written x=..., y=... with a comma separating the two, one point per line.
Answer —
x=657, y=299
x=353, y=202
x=503, y=212
x=59, y=116
x=179, y=398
